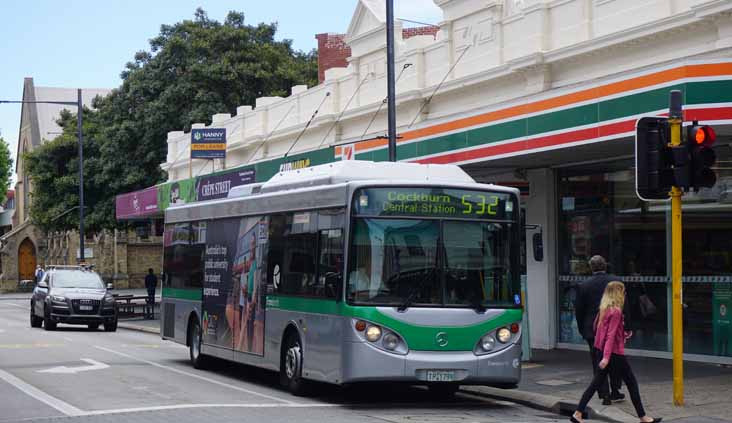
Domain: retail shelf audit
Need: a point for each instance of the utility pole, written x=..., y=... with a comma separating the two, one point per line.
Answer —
x=79, y=113
x=390, y=84
x=79, y=119
x=675, y=118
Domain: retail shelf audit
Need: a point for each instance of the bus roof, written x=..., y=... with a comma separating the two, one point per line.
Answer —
x=359, y=170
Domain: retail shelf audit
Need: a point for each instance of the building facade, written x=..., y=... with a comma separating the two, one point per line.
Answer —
x=542, y=95
x=120, y=257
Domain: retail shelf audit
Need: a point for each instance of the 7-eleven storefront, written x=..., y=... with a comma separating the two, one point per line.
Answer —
x=573, y=148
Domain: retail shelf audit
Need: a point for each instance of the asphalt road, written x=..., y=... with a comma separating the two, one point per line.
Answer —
x=74, y=374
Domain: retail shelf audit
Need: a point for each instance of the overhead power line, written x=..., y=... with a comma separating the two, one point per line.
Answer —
x=307, y=125
x=438, y=87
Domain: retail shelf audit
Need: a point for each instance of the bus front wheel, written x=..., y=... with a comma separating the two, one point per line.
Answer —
x=291, y=366
x=195, y=340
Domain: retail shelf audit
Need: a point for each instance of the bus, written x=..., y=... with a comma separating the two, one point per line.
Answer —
x=351, y=272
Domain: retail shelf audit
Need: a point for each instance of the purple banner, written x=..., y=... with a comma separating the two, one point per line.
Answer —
x=137, y=204
x=218, y=186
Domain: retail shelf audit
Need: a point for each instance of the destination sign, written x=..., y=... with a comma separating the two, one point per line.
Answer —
x=434, y=202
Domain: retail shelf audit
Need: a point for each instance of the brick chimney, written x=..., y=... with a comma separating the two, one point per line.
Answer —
x=333, y=52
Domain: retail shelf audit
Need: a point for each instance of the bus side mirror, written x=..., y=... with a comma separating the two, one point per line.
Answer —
x=538, y=246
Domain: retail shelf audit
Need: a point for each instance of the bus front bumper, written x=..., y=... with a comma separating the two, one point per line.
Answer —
x=364, y=363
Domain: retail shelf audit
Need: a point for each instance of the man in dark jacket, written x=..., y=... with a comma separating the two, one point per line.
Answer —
x=151, y=282
x=586, y=306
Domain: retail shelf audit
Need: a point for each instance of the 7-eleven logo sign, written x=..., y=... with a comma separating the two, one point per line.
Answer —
x=348, y=152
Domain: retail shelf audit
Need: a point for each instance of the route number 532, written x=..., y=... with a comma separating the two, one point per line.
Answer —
x=482, y=206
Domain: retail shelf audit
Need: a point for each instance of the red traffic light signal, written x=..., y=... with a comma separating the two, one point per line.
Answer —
x=699, y=140
x=702, y=135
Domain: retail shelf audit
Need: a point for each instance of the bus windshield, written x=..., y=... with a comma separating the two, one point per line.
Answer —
x=431, y=262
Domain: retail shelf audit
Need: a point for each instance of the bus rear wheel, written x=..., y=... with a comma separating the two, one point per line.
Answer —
x=291, y=366
x=198, y=360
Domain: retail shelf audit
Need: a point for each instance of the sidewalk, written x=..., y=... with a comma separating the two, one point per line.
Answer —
x=556, y=379
x=142, y=325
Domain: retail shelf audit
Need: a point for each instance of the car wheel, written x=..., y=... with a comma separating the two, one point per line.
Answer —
x=35, y=321
x=291, y=366
x=198, y=360
x=48, y=323
x=109, y=327
x=93, y=326
x=443, y=390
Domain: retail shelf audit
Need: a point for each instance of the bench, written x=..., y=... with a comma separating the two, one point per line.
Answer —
x=26, y=285
x=128, y=305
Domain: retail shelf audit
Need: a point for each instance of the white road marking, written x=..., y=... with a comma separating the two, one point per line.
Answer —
x=68, y=339
x=213, y=381
x=36, y=393
x=18, y=305
x=94, y=365
x=184, y=406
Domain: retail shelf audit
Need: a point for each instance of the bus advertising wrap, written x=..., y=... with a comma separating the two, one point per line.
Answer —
x=232, y=285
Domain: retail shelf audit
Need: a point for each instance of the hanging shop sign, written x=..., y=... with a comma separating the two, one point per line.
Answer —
x=208, y=143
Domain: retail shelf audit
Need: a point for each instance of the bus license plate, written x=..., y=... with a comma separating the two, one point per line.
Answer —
x=86, y=308
x=440, y=375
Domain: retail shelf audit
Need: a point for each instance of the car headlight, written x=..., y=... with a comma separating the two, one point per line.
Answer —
x=391, y=341
x=487, y=342
x=58, y=298
x=373, y=333
x=109, y=300
x=503, y=335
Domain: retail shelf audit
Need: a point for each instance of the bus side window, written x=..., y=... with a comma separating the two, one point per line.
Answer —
x=330, y=263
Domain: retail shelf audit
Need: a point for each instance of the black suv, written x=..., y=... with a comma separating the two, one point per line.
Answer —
x=73, y=295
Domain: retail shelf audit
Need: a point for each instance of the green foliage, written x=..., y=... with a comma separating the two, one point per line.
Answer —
x=194, y=69
x=6, y=167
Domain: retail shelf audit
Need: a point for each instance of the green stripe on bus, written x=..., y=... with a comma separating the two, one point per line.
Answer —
x=420, y=338
x=182, y=294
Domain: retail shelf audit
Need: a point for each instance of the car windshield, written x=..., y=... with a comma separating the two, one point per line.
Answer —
x=76, y=279
x=406, y=262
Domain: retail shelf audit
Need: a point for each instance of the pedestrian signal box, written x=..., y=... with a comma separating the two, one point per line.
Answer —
x=653, y=160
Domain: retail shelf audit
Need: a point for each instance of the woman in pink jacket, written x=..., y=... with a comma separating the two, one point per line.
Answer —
x=610, y=339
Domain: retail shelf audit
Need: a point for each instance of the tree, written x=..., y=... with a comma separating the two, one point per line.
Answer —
x=6, y=166
x=194, y=69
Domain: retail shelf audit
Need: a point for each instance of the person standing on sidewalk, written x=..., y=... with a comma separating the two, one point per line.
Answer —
x=609, y=348
x=151, y=283
x=586, y=305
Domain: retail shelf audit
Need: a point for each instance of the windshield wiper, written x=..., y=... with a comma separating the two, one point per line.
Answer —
x=414, y=291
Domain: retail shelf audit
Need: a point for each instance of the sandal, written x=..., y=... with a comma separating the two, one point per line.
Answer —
x=655, y=420
x=573, y=420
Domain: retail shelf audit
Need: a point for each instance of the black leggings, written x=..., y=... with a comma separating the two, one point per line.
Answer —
x=620, y=367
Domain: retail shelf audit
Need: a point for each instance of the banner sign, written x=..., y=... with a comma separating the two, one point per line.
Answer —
x=208, y=143
x=137, y=204
x=234, y=266
x=218, y=186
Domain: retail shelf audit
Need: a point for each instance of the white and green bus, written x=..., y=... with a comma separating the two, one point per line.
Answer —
x=351, y=272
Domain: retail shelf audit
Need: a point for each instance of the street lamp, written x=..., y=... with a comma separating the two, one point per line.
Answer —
x=80, y=112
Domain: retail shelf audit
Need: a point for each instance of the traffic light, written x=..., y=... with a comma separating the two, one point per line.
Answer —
x=699, y=141
x=653, y=160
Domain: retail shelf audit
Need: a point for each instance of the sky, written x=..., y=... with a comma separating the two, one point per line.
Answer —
x=86, y=43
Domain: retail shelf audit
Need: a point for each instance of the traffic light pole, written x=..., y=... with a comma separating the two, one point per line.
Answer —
x=675, y=119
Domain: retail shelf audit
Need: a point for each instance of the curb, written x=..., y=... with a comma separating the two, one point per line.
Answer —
x=552, y=404
x=138, y=328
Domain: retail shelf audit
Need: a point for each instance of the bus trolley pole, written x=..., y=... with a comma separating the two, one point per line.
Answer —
x=675, y=119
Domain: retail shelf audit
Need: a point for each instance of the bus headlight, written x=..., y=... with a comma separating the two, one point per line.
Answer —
x=487, y=343
x=390, y=341
x=503, y=335
x=373, y=333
